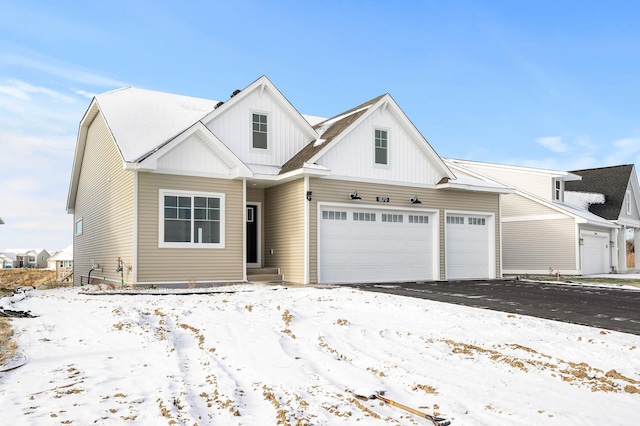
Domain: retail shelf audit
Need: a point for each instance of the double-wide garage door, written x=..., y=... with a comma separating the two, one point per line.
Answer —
x=371, y=245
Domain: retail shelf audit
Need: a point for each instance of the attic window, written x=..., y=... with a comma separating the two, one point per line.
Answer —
x=381, y=146
x=627, y=200
x=557, y=190
x=259, y=131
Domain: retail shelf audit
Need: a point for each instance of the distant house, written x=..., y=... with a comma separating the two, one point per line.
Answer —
x=62, y=263
x=1, y=221
x=7, y=260
x=169, y=189
x=621, y=206
x=546, y=229
x=28, y=258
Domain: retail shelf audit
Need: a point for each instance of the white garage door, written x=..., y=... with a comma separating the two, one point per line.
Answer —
x=366, y=245
x=594, y=253
x=468, y=246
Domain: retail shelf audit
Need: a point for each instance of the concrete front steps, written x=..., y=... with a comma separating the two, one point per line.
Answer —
x=264, y=275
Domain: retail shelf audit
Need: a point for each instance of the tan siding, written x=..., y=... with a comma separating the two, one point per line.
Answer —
x=517, y=205
x=105, y=204
x=537, y=183
x=539, y=245
x=188, y=264
x=284, y=229
x=329, y=190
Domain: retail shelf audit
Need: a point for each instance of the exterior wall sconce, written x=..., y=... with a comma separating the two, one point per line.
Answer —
x=354, y=196
x=415, y=200
x=612, y=244
x=581, y=241
x=309, y=193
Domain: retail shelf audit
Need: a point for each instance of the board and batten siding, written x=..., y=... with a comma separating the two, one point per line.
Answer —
x=337, y=191
x=535, y=246
x=185, y=265
x=105, y=204
x=284, y=229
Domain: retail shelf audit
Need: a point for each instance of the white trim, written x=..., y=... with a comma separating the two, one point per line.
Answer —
x=307, y=238
x=135, y=226
x=535, y=217
x=171, y=192
x=258, y=221
x=244, y=229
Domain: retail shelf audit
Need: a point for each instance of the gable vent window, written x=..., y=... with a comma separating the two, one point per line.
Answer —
x=392, y=218
x=557, y=190
x=381, y=147
x=627, y=200
x=259, y=131
x=455, y=220
x=364, y=217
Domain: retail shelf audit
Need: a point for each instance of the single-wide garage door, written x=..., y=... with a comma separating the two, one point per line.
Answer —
x=594, y=253
x=369, y=245
x=468, y=247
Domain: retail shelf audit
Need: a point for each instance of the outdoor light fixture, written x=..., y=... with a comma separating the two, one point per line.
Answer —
x=354, y=196
x=581, y=241
x=612, y=243
x=415, y=200
x=309, y=193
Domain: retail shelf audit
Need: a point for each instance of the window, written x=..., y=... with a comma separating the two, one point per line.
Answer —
x=260, y=131
x=392, y=217
x=477, y=221
x=456, y=220
x=79, y=227
x=627, y=200
x=191, y=219
x=364, y=217
x=333, y=215
x=557, y=190
x=381, y=146
x=418, y=219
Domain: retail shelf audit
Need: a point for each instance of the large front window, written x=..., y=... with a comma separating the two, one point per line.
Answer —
x=189, y=219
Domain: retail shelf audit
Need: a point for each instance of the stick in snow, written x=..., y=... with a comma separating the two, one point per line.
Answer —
x=437, y=421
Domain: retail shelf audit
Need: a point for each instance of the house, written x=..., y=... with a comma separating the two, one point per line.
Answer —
x=62, y=263
x=27, y=258
x=7, y=260
x=174, y=190
x=621, y=206
x=546, y=229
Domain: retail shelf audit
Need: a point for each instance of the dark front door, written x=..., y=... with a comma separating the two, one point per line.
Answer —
x=252, y=234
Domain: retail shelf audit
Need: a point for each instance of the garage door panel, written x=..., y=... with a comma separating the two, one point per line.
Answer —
x=375, y=250
x=468, y=247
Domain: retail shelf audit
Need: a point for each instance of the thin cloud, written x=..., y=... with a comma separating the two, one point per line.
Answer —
x=553, y=143
x=21, y=90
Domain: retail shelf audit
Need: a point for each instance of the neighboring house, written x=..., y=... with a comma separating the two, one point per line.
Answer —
x=62, y=263
x=28, y=258
x=542, y=230
x=168, y=189
x=1, y=221
x=619, y=185
x=7, y=260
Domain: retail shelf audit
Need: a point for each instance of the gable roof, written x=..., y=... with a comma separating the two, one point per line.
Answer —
x=333, y=130
x=610, y=181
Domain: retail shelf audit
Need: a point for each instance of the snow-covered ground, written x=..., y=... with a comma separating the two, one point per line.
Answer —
x=264, y=355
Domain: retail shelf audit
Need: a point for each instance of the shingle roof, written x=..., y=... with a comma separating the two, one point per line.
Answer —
x=610, y=181
x=328, y=130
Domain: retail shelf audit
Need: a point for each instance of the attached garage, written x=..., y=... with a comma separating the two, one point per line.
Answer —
x=470, y=246
x=374, y=245
x=594, y=249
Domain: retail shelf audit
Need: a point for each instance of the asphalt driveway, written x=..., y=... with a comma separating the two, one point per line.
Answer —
x=609, y=308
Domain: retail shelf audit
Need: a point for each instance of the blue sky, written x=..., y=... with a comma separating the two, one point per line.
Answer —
x=551, y=84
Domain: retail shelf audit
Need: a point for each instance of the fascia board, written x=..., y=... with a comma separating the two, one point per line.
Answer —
x=263, y=83
x=518, y=169
x=475, y=188
x=150, y=163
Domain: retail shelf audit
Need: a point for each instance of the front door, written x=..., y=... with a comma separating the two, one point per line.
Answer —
x=252, y=235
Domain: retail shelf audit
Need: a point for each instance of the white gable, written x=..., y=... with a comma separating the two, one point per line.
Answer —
x=287, y=133
x=407, y=160
x=193, y=155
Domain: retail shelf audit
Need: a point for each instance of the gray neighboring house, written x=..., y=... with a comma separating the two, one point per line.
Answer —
x=619, y=185
x=27, y=258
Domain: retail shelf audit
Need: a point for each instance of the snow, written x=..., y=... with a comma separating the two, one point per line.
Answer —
x=267, y=355
x=583, y=200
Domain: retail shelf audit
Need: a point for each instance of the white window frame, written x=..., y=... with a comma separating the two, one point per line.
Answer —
x=253, y=147
x=75, y=228
x=191, y=244
x=627, y=199
x=557, y=189
x=375, y=146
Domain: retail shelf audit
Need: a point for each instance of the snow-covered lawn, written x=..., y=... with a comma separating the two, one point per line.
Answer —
x=273, y=355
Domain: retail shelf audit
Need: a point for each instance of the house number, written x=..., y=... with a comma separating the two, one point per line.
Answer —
x=382, y=199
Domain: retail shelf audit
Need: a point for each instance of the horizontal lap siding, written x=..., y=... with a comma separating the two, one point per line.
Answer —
x=105, y=203
x=337, y=191
x=539, y=245
x=188, y=264
x=284, y=229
